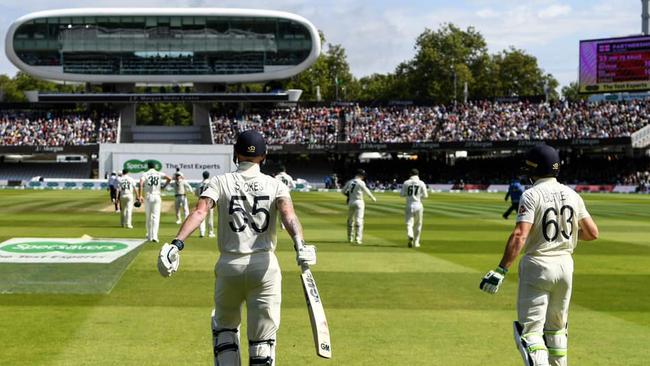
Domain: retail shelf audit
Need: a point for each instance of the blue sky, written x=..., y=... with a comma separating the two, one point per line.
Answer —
x=379, y=34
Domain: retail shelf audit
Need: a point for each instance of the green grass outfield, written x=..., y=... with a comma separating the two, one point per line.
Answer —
x=386, y=304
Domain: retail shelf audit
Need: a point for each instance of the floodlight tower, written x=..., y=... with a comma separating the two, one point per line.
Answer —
x=645, y=17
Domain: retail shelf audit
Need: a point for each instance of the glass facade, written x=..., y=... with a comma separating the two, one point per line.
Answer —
x=162, y=45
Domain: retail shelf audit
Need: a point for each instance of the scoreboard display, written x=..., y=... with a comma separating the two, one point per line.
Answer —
x=615, y=65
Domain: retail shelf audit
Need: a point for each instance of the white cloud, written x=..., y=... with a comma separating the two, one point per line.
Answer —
x=553, y=11
x=487, y=13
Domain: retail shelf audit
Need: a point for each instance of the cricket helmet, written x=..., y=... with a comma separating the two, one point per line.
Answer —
x=542, y=161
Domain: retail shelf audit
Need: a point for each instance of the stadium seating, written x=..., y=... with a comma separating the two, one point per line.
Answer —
x=20, y=129
x=479, y=121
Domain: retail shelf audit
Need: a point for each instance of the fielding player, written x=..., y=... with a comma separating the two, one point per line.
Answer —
x=210, y=218
x=515, y=190
x=414, y=190
x=285, y=178
x=181, y=187
x=150, y=185
x=354, y=189
x=126, y=195
x=551, y=219
x=113, y=188
x=247, y=270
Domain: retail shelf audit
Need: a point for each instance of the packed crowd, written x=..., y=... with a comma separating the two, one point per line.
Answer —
x=281, y=126
x=20, y=130
x=479, y=121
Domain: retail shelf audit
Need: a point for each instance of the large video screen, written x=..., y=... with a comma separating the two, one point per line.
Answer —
x=615, y=65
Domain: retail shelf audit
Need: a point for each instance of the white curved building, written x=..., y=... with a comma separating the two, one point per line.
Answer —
x=165, y=45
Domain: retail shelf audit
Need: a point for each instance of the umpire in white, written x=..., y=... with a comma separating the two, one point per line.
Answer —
x=247, y=270
x=550, y=220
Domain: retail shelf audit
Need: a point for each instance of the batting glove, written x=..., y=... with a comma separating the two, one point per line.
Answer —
x=306, y=254
x=493, y=279
x=169, y=258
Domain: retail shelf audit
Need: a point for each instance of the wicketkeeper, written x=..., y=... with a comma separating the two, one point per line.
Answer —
x=550, y=220
x=247, y=270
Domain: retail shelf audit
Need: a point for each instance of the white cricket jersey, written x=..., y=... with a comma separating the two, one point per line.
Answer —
x=286, y=179
x=355, y=188
x=202, y=187
x=414, y=189
x=246, y=203
x=126, y=185
x=152, y=181
x=182, y=187
x=554, y=210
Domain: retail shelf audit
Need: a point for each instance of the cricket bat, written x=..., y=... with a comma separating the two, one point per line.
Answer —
x=319, y=325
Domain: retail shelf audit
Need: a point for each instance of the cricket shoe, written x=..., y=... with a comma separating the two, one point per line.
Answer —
x=211, y=235
x=416, y=245
x=178, y=222
x=410, y=242
x=129, y=226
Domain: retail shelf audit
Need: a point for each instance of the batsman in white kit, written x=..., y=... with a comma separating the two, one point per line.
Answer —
x=550, y=220
x=150, y=186
x=355, y=189
x=247, y=270
x=209, y=220
x=414, y=190
x=181, y=188
x=127, y=193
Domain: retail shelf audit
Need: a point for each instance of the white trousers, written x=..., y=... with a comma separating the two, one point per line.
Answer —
x=181, y=204
x=543, y=301
x=413, y=215
x=209, y=220
x=152, y=205
x=255, y=279
x=356, y=211
x=127, y=210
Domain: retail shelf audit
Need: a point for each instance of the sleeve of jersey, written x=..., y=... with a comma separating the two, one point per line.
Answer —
x=425, y=190
x=582, y=209
x=282, y=190
x=213, y=191
x=526, y=212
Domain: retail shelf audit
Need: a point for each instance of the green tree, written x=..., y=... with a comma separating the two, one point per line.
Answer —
x=447, y=58
x=331, y=70
x=444, y=60
x=13, y=88
x=377, y=87
x=518, y=74
x=571, y=92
